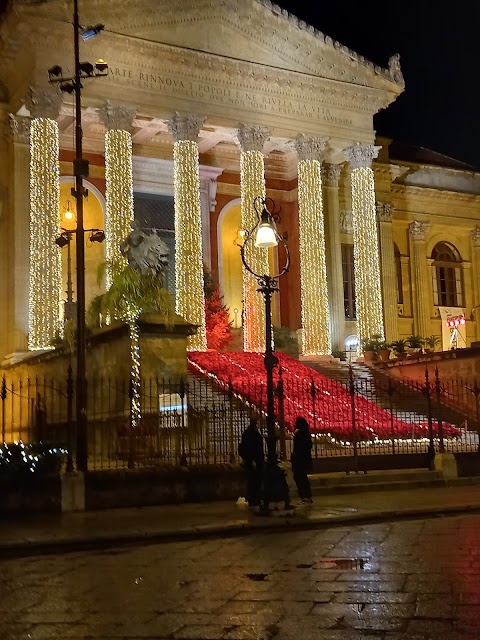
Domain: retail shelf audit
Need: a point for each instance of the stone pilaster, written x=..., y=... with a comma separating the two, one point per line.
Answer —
x=18, y=214
x=475, y=235
x=119, y=178
x=331, y=177
x=189, y=295
x=368, y=293
x=420, y=281
x=252, y=185
x=388, y=271
x=313, y=272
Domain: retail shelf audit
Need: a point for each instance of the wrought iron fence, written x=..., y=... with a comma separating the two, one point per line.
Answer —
x=196, y=421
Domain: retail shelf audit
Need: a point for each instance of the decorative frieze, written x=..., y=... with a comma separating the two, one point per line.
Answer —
x=418, y=230
x=44, y=102
x=361, y=155
x=346, y=222
x=19, y=129
x=116, y=117
x=252, y=137
x=185, y=127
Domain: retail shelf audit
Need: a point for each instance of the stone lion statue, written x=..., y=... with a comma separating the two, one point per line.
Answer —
x=146, y=252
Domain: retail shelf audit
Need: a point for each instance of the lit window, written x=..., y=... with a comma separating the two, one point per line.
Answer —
x=447, y=276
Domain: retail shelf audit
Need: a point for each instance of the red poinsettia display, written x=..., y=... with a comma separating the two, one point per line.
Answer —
x=325, y=403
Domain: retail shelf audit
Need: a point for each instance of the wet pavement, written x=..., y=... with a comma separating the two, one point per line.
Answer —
x=175, y=522
x=405, y=580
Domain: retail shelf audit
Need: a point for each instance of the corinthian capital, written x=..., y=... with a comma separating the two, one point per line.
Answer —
x=116, y=117
x=384, y=211
x=475, y=235
x=185, y=127
x=43, y=102
x=361, y=155
x=252, y=138
x=418, y=230
x=19, y=128
x=331, y=174
x=310, y=148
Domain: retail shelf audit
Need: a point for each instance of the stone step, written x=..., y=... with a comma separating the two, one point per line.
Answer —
x=377, y=486
x=373, y=477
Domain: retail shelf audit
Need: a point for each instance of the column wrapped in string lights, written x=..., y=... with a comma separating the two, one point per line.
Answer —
x=252, y=184
x=189, y=294
x=45, y=290
x=313, y=271
x=119, y=179
x=368, y=291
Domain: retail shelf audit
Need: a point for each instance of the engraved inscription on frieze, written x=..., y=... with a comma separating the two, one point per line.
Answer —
x=229, y=96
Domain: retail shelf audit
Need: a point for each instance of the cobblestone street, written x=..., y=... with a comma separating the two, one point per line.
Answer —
x=409, y=580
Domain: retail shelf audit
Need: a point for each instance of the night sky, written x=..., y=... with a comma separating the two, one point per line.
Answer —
x=439, y=46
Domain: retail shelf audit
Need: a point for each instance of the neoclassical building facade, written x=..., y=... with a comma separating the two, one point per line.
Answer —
x=207, y=105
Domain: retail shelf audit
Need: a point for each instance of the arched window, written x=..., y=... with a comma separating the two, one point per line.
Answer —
x=398, y=267
x=348, y=282
x=447, y=276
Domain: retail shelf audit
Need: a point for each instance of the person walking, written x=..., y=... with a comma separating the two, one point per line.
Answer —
x=302, y=459
x=250, y=450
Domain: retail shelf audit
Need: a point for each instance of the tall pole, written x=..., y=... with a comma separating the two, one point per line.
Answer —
x=80, y=168
x=270, y=361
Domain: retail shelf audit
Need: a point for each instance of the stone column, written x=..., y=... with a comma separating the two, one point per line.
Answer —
x=313, y=272
x=252, y=185
x=475, y=235
x=19, y=225
x=45, y=291
x=189, y=295
x=119, y=179
x=388, y=271
x=368, y=292
x=420, y=288
x=331, y=175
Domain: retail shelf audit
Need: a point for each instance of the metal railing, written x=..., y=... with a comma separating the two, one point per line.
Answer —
x=194, y=420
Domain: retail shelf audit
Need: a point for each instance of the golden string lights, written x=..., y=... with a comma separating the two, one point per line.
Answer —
x=119, y=193
x=45, y=257
x=365, y=239
x=316, y=338
x=253, y=186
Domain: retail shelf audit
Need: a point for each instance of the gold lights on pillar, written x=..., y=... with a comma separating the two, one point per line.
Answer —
x=119, y=193
x=190, y=300
x=45, y=257
x=316, y=338
x=365, y=243
x=252, y=187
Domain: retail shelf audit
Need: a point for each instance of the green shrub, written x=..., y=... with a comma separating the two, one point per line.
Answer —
x=20, y=458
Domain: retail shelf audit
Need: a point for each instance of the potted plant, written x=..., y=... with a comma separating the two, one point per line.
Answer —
x=383, y=350
x=414, y=344
x=399, y=348
x=431, y=342
x=371, y=347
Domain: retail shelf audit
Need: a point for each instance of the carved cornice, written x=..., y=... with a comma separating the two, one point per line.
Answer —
x=418, y=230
x=116, y=117
x=435, y=194
x=475, y=235
x=310, y=148
x=252, y=137
x=185, y=127
x=385, y=211
x=331, y=174
x=361, y=155
x=43, y=102
x=18, y=129
x=346, y=222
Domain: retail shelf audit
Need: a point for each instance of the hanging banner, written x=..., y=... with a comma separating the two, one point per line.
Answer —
x=454, y=328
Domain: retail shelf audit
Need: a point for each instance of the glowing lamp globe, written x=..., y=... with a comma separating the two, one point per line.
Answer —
x=265, y=236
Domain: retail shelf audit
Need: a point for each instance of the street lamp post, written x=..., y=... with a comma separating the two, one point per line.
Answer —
x=83, y=70
x=265, y=235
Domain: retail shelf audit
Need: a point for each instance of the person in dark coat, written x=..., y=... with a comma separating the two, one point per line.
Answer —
x=251, y=452
x=302, y=459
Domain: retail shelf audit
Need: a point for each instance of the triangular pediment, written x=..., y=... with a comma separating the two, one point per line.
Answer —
x=254, y=31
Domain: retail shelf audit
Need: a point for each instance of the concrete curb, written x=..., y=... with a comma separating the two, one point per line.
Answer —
x=67, y=544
